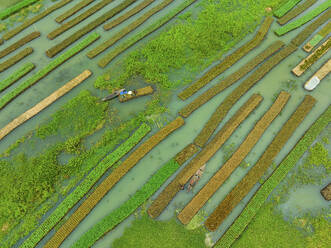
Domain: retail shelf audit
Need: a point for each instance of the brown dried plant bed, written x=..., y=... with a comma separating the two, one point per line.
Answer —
x=44, y=103
x=228, y=61
x=186, y=153
x=107, y=184
x=129, y=28
x=73, y=10
x=15, y=59
x=87, y=28
x=34, y=19
x=200, y=199
x=64, y=27
x=127, y=15
x=238, y=92
x=318, y=37
x=161, y=202
x=231, y=79
x=312, y=58
x=258, y=170
x=19, y=43
x=296, y=11
x=140, y=92
x=326, y=192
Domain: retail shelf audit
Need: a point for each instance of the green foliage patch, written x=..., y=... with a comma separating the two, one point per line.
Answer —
x=285, y=8
x=13, y=9
x=295, y=12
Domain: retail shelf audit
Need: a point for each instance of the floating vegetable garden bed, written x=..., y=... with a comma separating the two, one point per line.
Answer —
x=50, y=67
x=296, y=11
x=15, y=59
x=200, y=199
x=73, y=10
x=15, y=8
x=318, y=37
x=228, y=61
x=286, y=8
x=253, y=176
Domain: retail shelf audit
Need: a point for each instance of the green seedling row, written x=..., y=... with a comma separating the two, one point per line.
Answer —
x=85, y=186
x=286, y=8
x=271, y=183
x=50, y=67
x=15, y=8
x=73, y=10
x=318, y=37
x=296, y=11
x=15, y=59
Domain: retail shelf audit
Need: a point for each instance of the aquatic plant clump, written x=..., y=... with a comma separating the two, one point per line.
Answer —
x=15, y=59
x=78, y=19
x=258, y=170
x=129, y=28
x=15, y=8
x=160, y=203
x=228, y=61
x=107, y=184
x=19, y=44
x=50, y=67
x=34, y=19
x=200, y=199
x=296, y=11
x=287, y=164
x=304, y=19
x=285, y=8
x=88, y=28
x=17, y=75
x=127, y=14
x=231, y=79
x=85, y=186
x=73, y=10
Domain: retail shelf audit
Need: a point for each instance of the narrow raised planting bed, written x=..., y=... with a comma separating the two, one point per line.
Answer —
x=312, y=58
x=304, y=19
x=282, y=10
x=160, y=203
x=138, y=93
x=150, y=29
x=15, y=59
x=296, y=11
x=228, y=61
x=73, y=10
x=34, y=19
x=318, y=76
x=4, y=100
x=17, y=75
x=264, y=162
x=129, y=28
x=200, y=199
x=84, y=187
x=44, y=103
x=88, y=28
x=231, y=79
x=223, y=109
x=15, y=8
x=318, y=37
x=107, y=184
x=271, y=183
x=127, y=15
x=64, y=27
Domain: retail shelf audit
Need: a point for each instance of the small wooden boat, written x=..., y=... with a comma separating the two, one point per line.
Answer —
x=196, y=177
x=135, y=93
x=112, y=96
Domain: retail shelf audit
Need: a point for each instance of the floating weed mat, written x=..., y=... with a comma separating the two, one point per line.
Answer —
x=15, y=59
x=312, y=58
x=231, y=79
x=15, y=8
x=129, y=28
x=253, y=176
x=296, y=11
x=156, y=25
x=304, y=19
x=73, y=10
x=19, y=43
x=161, y=202
x=256, y=202
x=200, y=199
x=83, y=188
x=87, y=28
x=34, y=19
x=127, y=15
x=238, y=92
x=86, y=207
x=318, y=37
x=64, y=27
x=311, y=28
x=17, y=75
x=228, y=61
x=44, y=103
x=285, y=8
x=139, y=92
x=50, y=67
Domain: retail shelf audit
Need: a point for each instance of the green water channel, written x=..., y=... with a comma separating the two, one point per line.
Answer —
x=270, y=85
